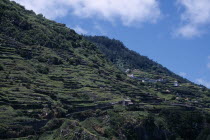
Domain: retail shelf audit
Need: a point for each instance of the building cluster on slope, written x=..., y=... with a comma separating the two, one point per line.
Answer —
x=143, y=79
x=148, y=80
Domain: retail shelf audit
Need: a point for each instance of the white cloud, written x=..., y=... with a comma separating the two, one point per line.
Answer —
x=195, y=17
x=80, y=30
x=128, y=11
x=49, y=8
x=203, y=82
x=183, y=74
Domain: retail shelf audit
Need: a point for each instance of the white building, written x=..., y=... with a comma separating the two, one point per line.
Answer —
x=176, y=84
x=131, y=75
x=127, y=71
x=126, y=102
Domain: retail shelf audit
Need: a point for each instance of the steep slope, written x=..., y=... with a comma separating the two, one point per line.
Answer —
x=124, y=58
x=49, y=71
x=56, y=85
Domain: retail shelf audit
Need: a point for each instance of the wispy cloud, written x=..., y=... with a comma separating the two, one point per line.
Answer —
x=99, y=29
x=183, y=74
x=208, y=65
x=188, y=31
x=203, y=82
x=128, y=12
x=80, y=30
x=195, y=17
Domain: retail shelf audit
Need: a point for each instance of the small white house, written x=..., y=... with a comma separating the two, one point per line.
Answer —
x=127, y=71
x=176, y=84
x=131, y=75
x=126, y=102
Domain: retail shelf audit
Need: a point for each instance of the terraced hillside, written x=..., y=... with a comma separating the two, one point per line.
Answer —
x=48, y=71
x=157, y=79
x=56, y=85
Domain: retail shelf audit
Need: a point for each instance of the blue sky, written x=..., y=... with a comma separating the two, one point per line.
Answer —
x=174, y=33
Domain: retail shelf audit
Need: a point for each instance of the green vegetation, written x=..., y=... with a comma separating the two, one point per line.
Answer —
x=54, y=84
x=1, y=67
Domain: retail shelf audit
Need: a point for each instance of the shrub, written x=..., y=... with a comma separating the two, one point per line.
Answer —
x=1, y=67
x=42, y=59
x=55, y=61
x=27, y=54
x=42, y=69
